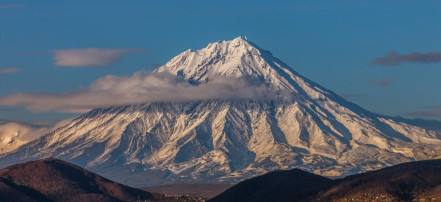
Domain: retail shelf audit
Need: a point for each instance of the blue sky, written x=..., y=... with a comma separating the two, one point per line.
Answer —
x=330, y=42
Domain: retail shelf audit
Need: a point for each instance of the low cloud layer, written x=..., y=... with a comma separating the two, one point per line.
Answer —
x=351, y=96
x=427, y=112
x=141, y=87
x=14, y=134
x=10, y=70
x=393, y=58
x=90, y=57
x=11, y=5
x=380, y=82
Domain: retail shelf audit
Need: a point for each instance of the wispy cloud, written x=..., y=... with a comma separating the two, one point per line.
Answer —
x=10, y=70
x=3, y=109
x=14, y=134
x=351, y=96
x=27, y=53
x=380, y=82
x=11, y=6
x=141, y=87
x=152, y=65
x=427, y=112
x=393, y=58
x=90, y=56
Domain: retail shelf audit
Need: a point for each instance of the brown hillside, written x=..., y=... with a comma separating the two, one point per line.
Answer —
x=403, y=182
x=56, y=180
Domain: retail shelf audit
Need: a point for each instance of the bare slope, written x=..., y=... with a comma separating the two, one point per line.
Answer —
x=404, y=182
x=55, y=180
x=287, y=185
x=206, y=191
x=414, y=181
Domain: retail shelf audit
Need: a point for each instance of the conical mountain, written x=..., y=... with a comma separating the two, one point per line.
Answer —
x=285, y=121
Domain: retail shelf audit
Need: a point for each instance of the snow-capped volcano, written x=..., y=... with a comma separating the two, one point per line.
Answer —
x=237, y=58
x=299, y=124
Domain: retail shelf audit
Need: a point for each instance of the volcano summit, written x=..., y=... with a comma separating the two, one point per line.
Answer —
x=277, y=119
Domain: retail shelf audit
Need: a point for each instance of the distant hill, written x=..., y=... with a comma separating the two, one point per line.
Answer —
x=404, y=182
x=284, y=185
x=193, y=190
x=55, y=180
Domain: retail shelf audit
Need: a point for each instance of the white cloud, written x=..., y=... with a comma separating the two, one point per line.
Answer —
x=10, y=70
x=89, y=56
x=141, y=87
x=427, y=112
x=393, y=58
x=380, y=82
x=11, y=5
x=14, y=134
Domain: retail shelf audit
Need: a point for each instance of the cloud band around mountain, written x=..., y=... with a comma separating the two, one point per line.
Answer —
x=380, y=82
x=139, y=88
x=90, y=56
x=427, y=112
x=393, y=58
x=10, y=70
x=11, y=6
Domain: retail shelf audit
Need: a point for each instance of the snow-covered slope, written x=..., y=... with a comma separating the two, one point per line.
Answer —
x=301, y=124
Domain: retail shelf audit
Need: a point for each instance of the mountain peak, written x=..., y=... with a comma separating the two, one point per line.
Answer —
x=241, y=58
x=238, y=58
x=237, y=43
x=241, y=38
